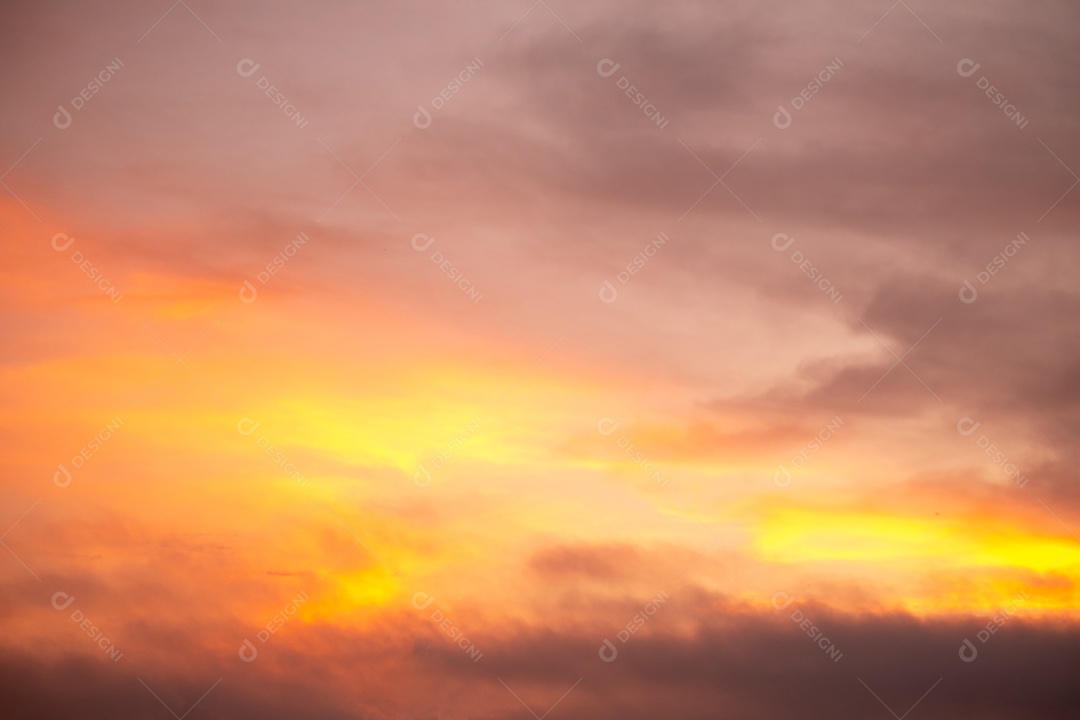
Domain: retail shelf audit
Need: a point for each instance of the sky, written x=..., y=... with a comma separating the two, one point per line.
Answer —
x=415, y=360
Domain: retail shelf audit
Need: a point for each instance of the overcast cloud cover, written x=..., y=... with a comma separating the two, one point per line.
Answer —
x=568, y=360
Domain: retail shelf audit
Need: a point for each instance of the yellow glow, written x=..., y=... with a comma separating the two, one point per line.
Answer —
x=351, y=594
x=799, y=535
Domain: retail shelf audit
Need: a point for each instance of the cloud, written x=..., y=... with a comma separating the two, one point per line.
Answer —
x=759, y=665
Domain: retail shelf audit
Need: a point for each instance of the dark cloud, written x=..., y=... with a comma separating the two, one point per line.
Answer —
x=755, y=665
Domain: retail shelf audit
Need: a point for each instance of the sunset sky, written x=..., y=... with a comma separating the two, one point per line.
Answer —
x=573, y=360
